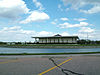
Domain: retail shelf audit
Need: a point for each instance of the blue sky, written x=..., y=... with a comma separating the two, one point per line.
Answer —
x=21, y=19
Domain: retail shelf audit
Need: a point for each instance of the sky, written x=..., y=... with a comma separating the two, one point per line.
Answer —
x=22, y=19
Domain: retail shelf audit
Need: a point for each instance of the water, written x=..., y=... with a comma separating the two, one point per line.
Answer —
x=28, y=50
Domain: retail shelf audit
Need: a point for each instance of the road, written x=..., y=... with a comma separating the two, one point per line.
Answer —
x=50, y=65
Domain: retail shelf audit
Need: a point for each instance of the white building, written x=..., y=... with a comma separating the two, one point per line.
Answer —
x=57, y=39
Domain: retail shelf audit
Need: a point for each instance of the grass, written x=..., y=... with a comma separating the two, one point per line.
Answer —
x=54, y=45
x=47, y=53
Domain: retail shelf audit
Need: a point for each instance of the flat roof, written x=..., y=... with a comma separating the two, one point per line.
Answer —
x=57, y=37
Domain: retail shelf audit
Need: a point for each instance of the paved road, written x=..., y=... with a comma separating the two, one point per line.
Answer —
x=43, y=65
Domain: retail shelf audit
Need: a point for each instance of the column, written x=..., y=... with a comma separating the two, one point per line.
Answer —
x=50, y=40
x=47, y=40
x=35, y=40
x=54, y=40
x=58, y=40
x=41, y=40
x=62, y=40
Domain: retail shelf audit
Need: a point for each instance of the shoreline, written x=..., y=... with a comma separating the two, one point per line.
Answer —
x=49, y=46
x=48, y=53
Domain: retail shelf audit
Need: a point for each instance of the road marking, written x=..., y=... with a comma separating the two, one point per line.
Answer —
x=55, y=66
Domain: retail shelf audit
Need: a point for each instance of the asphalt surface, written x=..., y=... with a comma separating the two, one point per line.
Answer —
x=50, y=65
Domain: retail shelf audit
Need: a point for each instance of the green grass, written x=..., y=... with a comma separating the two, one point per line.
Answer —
x=55, y=45
x=47, y=53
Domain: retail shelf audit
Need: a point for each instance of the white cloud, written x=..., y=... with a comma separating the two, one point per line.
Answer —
x=53, y=22
x=91, y=36
x=75, y=4
x=85, y=36
x=16, y=33
x=60, y=7
x=64, y=19
x=67, y=25
x=93, y=10
x=36, y=16
x=78, y=4
x=38, y=5
x=11, y=28
x=86, y=30
x=65, y=34
x=45, y=33
x=67, y=9
x=12, y=8
x=87, y=33
x=80, y=19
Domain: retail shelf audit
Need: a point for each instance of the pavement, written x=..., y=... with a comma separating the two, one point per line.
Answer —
x=88, y=64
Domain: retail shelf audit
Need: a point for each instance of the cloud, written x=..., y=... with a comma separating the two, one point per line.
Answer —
x=95, y=9
x=78, y=4
x=12, y=9
x=87, y=33
x=38, y=5
x=10, y=34
x=67, y=25
x=60, y=7
x=85, y=36
x=86, y=30
x=64, y=19
x=36, y=16
x=55, y=21
x=16, y=33
x=80, y=19
x=65, y=34
x=75, y=4
x=45, y=33
x=11, y=28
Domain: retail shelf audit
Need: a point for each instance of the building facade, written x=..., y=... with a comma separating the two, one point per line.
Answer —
x=56, y=39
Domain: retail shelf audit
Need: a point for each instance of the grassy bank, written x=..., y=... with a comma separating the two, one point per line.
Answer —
x=52, y=45
x=21, y=45
x=47, y=53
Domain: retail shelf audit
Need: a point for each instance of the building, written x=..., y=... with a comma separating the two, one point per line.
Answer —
x=56, y=39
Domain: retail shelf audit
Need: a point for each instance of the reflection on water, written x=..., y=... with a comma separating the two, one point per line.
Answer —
x=28, y=50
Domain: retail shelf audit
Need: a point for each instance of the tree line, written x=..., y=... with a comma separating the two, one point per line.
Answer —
x=83, y=41
x=15, y=43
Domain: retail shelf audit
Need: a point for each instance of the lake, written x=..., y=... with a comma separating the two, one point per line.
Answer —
x=30, y=50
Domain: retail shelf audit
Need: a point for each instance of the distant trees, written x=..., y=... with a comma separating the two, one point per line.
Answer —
x=2, y=42
x=23, y=43
x=97, y=42
x=15, y=43
x=83, y=41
